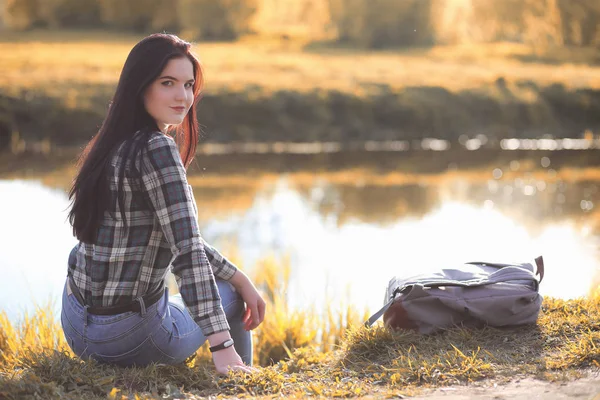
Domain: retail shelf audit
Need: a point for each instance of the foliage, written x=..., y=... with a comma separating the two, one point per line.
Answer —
x=197, y=19
x=215, y=19
x=135, y=15
x=382, y=23
x=362, y=23
x=25, y=14
x=541, y=23
x=20, y=14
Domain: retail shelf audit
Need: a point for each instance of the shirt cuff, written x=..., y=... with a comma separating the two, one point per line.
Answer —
x=213, y=323
x=226, y=271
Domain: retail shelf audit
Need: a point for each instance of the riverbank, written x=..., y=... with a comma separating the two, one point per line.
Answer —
x=57, y=86
x=428, y=156
x=563, y=346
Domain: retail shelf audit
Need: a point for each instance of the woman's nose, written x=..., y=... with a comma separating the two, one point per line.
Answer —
x=180, y=93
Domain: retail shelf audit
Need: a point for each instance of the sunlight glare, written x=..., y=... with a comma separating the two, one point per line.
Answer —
x=331, y=261
x=35, y=242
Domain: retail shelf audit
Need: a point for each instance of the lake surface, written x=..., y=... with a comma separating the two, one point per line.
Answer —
x=343, y=233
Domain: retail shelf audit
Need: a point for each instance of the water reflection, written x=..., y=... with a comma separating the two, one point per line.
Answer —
x=353, y=261
x=369, y=203
x=34, y=242
x=343, y=241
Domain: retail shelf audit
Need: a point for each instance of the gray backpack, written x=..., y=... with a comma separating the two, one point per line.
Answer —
x=475, y=293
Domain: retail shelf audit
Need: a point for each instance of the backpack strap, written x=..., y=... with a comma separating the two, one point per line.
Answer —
x=387, y=305
x=378, y=314
x=539, y=263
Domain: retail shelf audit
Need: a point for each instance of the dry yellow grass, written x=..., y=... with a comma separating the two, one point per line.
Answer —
x=36, y=363
x=67, y=64
x=34, y=356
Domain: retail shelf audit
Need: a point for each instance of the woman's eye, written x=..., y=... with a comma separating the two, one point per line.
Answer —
x=189, y=85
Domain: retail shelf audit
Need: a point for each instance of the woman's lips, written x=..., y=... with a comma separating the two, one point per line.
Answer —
x=178, y=109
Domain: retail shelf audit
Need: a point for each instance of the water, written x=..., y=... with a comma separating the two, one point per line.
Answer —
x=34, y=239
x=344, y=238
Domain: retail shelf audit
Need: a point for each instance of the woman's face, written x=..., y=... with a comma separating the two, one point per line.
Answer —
x=169, y=98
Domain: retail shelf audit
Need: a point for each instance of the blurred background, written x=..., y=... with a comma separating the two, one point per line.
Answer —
x=344, y=141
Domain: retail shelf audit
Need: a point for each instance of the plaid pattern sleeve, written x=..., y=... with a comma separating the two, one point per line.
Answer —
x=164, y=180
x=221, y=266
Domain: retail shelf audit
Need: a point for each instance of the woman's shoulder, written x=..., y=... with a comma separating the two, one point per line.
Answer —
x=157, y=139
x=161, y=151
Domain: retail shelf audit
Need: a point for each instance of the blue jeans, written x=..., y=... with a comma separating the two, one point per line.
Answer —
x=165, y=334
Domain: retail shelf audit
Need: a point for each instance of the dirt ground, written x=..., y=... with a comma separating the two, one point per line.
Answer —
x=587, y=388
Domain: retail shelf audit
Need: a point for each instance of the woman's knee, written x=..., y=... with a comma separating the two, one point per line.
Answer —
x=231, y=300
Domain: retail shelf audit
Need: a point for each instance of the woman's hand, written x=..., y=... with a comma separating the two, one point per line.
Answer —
x=255, y=305
x=229, y=360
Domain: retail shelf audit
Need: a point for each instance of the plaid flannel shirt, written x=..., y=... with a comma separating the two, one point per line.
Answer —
x=162, y=231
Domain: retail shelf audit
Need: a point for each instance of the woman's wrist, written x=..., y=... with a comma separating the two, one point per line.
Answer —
x=218, y=338
x=239, y=279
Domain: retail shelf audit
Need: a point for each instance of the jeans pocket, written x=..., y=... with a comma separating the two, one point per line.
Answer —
x=144, y=354
x=73, y=338
x=78, y=347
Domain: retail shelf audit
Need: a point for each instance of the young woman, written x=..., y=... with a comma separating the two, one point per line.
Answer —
x=135, y=217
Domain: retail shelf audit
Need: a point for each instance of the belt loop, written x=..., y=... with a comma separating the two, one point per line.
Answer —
x=142, y=306
x=85, y=315
x=85, y=324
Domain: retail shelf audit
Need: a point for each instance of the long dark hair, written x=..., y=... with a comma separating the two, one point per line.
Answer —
x=127, y=116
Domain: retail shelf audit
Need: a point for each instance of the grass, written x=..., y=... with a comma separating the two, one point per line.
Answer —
x=304, y=355
x=63, y=64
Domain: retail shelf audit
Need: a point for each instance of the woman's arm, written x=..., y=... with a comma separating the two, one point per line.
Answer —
x=221, y=266
x=164, y=181
x=255, y=305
